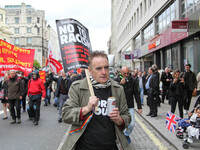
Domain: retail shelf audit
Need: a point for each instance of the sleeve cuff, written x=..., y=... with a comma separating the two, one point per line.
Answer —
x=81, y=118
x=122, y=125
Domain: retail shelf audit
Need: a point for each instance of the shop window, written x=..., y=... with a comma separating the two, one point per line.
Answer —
x=167, y=58
x=174, y=57
x=188, y=54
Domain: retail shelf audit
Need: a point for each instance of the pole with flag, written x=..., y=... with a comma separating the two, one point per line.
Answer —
x=55, y=65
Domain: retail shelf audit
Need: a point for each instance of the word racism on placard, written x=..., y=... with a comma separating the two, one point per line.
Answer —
x=13, y=57
x=74, y=44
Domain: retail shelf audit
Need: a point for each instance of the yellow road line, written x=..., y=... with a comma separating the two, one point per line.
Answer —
x=155, y=140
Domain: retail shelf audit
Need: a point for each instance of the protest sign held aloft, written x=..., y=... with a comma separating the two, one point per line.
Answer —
x=15, y=58
x=74, y=43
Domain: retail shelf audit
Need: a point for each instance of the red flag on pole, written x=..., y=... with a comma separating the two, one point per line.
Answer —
x=55, y=65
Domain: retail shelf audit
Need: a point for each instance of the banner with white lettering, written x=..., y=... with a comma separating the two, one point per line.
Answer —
x=74, y=43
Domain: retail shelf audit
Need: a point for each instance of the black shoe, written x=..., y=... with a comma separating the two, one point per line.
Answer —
x=4, y=118
x=36, y=123
x=45, y=104
x=153, y=115
x=59, y=120
x=55, y=105
x=149, y=114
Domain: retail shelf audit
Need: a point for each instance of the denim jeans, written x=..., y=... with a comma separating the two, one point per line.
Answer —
x=128, y=131
x=142, y=95
x=47, y=98
x=62, y=98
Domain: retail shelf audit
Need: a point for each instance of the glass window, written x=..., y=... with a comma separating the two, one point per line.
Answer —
x=28, y=30
x=189, y=3
x=16, y=20
x=28, y=19
x=174, y=57
x=148, y=32
x=16, y=30
x=188, y=54
x=16, y=41
x=165, y=18
x=1, y=17
x=167, y=58
x=183, y=7
x=29, y=40
x=137, y=41
x=38, y=20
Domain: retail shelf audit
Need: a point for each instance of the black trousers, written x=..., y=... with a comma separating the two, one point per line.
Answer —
x=15, y=104
x=152, y=103
x=164, y=93
x=24, y=102
x=174, y=101
x=34, y=108
x=188, y=99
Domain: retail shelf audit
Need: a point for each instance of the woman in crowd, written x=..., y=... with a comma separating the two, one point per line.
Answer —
x=3, y=100
x=176, y=93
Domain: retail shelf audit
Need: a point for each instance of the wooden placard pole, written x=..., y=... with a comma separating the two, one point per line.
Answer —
x=90, y=87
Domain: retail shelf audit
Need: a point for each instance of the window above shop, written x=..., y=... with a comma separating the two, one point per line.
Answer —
x=165, y=18
x=148, y=32
x=189, y=7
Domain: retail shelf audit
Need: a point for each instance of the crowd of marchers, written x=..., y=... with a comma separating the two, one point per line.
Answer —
x=76, y=106
x=25, y=94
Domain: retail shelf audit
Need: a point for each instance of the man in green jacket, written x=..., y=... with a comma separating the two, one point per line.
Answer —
x=104, y=131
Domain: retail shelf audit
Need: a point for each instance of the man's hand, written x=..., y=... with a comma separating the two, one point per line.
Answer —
x=6, y=98
x=115, y=116
x=43, y=98
x=93, y=101
x=140, y=111
x=123, y=81
x=20, y=97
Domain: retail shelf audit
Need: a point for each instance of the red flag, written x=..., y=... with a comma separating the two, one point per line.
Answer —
x=55, y=65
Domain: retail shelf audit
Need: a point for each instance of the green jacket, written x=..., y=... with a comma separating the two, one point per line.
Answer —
x=78, y=97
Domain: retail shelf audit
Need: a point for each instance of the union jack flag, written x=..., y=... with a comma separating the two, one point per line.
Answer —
x=171, y=121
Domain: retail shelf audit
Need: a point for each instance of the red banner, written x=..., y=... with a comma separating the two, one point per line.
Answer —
x=42, y=76
x=15, y=58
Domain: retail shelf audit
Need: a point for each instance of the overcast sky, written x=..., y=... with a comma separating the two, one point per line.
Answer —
x=93, y=14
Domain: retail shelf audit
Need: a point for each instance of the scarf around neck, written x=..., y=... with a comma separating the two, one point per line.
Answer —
x=97, y=85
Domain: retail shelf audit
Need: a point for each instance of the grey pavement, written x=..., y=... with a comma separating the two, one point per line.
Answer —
x=158, y=123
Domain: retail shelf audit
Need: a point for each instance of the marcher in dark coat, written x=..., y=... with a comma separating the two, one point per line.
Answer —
x=48, y=88
x=166, y=79
x=190, y=85
x=13, y=92
x=152, y=87
x=63, y=85
x=25, y=85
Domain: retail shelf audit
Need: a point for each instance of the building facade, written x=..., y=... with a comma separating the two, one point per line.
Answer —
x=162, y=32
x=4, y=29
x=29, y=29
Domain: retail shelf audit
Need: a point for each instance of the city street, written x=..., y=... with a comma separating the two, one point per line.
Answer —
x=26, y=136
x=149, y=133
